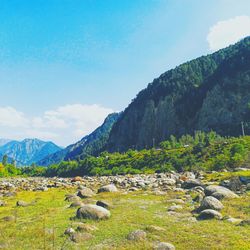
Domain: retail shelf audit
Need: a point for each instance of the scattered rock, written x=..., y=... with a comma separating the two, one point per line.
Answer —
x=210, y=202
x=93, y=212
x=245, y=223
x=86, y=228
x=209, y=214
x=22, y=204
x=69, y=231
x=164, y=246
x=76, y=204
x=85, y=193
x=191, y=183
x=9, y=218
x=152, y=228
x=175, y=208
x=3, y=203
x=137, y=235
x=104, y=204
x=80, y=237
x=108, y=188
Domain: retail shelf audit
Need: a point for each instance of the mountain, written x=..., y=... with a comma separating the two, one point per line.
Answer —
x=91, y=144
x=28, y=151
x=4, y=141
x=209, y=93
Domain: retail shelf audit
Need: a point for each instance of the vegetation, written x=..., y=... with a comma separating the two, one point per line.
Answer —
x=203, y=151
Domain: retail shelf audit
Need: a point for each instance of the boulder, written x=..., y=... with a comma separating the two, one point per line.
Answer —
x=93, y=212
x=210, y=202
x=108, y=188
x=76, y=204
x=209, y=190
x=3, y=203
x=164, y=246
x=209, y=214
x=85, y=193
x=86, y=228
x=245, y=223
x=137, y=235
x=69, y=231
x=104, y=204
x=80, y=237
x=188, y=184
x=228, y=194
x=22, y=204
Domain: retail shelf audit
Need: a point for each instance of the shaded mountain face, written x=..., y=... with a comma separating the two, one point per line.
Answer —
x=208, y=93
x=4, y=141
x=28, y=151
x=91, y=144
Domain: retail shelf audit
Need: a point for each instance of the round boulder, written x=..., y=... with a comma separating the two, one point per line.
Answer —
x=85, y=193
x=137, y=235
x=210, y=202
x=92, y=212
x=209, y=214
x=108, y=188
x=164, y=246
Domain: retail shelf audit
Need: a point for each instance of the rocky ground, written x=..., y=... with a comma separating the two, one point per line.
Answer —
x=158, y=211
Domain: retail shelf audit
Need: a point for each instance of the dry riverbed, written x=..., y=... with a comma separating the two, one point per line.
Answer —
x=161, y=211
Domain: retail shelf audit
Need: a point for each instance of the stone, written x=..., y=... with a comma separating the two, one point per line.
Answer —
x=93, y=212
x=71, y=197
x=188, y=184
x=233, y=220
x=164, y=246
x=104, y=204
x=245, y=223
x=175, y=208
x=22, y=204
x=209, y=190
x=137, y=235
x=152, y=228
x=3, y=203
x=9, y=218
x=69, y=231
x=85, y=193
x=208, y=214
x=86, y=228
x=76, y=179
x=108, y=188
x=76, y=204
x=209, y=202
x=81, y=237
x=224, y=194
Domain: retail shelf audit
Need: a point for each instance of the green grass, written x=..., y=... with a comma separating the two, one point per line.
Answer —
x=42, y=225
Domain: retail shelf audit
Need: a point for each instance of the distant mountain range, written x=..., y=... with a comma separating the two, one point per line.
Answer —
x=91, y=144
x=27, y=151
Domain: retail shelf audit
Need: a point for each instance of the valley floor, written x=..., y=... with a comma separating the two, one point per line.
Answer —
x=41, y=225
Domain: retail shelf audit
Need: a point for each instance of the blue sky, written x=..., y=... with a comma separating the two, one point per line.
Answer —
x=65, y=64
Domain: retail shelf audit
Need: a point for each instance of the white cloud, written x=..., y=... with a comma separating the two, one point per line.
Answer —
x=64, y=125
x=9, y=117
x=228, y=32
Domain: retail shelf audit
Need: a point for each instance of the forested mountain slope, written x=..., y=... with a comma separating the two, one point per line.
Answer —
x=209, y=93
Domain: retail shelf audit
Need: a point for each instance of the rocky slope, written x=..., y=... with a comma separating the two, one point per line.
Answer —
x=209, y=93
x=28, y=151
x=91, y=144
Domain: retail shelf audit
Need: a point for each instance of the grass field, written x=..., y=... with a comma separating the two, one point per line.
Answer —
x=42, y=225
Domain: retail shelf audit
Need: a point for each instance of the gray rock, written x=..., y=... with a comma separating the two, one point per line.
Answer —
x=3, y=203
x=164, y=246
x=175, y=208
x=85, y=193
x=191, y=183
x=210, y=202
x=108, y=188
x=81, y=237
x=224, y=194
x=9, y=218
x=137, y=235
x=69, y=231
x=209, y=190
x=245, y=223
x=86, y=228
x=76, y=204
x=104, y=204
x=93, y=212
x=22, y=204
x=209, y=214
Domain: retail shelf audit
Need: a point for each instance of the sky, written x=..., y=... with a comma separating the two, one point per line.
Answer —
x=66, y=64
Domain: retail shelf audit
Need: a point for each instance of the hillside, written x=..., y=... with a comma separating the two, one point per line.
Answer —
x=28, y=151
x=209, y=93
x=91, y=144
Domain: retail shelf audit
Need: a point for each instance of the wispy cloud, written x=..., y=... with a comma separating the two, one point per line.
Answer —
x=227, y=32
x=63, y=125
